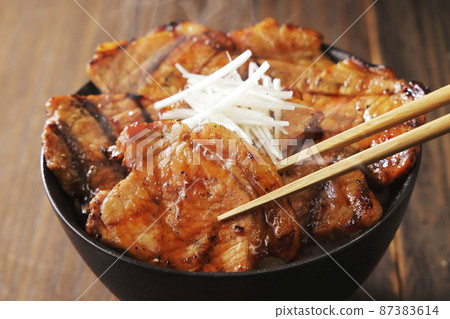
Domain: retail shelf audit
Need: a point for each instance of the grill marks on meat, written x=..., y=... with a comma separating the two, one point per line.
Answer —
x=185, y=234
x=350, y=93
x=180, y=200
x=192, y=54
x=187, y=43
x=338, y=208
x=201, y=50
x=58, y=156
x=387, y=170
x=255, y=171
x=77, y=133
x=116, y=111
x=71, y=128
x=352, y=77
x=112, y=70
x=347, y=93
x=288, y=42
x=343, y=207
x=292, y=52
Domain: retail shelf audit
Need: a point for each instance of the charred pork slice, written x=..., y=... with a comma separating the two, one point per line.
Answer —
x=337, y=208
x=164, y=212
x=116, y=111
x=148, y=65
x=302, y=202
x=347, y=93
x=288, y=42
x=344, y=206
x=304, y=124
x=77, y=133
x=387, y=170
x=350, y=93
x=292, y=52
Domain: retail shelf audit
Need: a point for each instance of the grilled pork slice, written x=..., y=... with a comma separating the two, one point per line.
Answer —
x=148, y=65
x=302, y=201
x=115, y=111
x=304, y=124
x=352, y=77
x=344, y=206
x=294, y=53
x=288, y=42
x=347, y=93
x=350, y=93
x=337, y=208
x=78, y=131
x=342, y=112
x=164, y=212
x=387, y=170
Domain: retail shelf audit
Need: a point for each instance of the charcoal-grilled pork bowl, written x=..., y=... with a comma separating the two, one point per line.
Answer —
x=325, y=276
x=332, y=272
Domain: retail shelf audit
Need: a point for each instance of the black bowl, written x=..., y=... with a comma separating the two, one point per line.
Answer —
x=318, y=277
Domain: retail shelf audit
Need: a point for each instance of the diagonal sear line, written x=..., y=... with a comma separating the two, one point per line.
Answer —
x=318, y=58
x=317, y=243
x=125, y=51
x=143, y=233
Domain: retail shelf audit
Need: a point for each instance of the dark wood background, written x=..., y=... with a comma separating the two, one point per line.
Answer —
x=45, y=45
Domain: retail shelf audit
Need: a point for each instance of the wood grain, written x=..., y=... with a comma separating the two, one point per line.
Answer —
x=46, y=45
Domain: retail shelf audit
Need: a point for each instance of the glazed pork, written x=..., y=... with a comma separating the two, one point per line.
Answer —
x=165, y=213
x=77, y=134
x=340, y=207
x=152, y=70
x=346, y=93
x=350, y=93
x=343, y=207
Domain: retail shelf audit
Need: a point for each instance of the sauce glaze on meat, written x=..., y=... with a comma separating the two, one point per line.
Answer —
x=166, y=216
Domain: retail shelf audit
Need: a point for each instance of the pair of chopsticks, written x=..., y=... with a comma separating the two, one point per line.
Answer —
x=400, y=143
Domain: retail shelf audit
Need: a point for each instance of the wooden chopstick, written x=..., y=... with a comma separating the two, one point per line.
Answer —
x=389, y=119
x=402, y=142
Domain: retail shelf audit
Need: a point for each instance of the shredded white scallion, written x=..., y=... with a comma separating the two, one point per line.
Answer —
x=251, y=108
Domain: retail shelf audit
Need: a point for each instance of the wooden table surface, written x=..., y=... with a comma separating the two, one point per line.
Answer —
x=46, y=45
